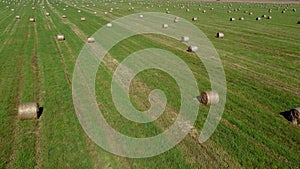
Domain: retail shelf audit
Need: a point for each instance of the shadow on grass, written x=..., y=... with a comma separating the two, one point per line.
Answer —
x=40, y=112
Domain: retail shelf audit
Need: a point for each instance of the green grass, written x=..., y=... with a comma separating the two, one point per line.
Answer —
x=261, y=61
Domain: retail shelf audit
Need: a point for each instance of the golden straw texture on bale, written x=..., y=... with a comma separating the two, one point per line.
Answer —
x=28, y=111
x=295, y=113
x=209, y=97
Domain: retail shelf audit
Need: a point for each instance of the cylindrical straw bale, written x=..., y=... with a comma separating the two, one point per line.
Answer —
x=209, y=97
x=295, y=114
x=220, y=35
x=91, y=40
x=109, y=25
x=185, y=39
x=27, y=111
x=192, y=48
x=31, y=19
x=60, y=37
x=165, y=26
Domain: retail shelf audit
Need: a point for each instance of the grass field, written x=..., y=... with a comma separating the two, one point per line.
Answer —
x=261, y=60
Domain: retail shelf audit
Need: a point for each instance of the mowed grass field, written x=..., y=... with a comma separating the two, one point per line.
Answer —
x=261, y=60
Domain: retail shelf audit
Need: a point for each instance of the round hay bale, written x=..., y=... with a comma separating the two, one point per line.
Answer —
x=64, y=16
x=269, y=17
x=33, y=8
x=204, y=11
x=258, y=18
x=141, y=16
x=60, y=37
x=168, y=12
x=105, y=13
x=228, y=11
x=232, y=19
x=165, y=26
x=241, y=18
x=194, y=19
x=12, y=10
x=109, y=25
x=185, y=39
x=82, y=19
x=18, y=17
x=264, y=16
x=95, y=12
x=47, y=14
x=91, y=40
x=78, y=11
x=27, y=111
x=209, y=97
x=192, y=48
x=220, y=35
x=295, y=116
x=294, y=10
x=188, y=10
x=176, y=19
x=250, y=13
x=31, y=20
x=283, y=11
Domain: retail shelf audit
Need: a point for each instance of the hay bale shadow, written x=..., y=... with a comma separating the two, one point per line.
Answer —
x=40, y=112
x=287, y=115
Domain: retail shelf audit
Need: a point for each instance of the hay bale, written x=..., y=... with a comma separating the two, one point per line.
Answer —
x=185, y=39
x=91, y=40
x=188, y=10
x=176, y=19
x=33, y=8
x=27, y=111
x=192, y=48
x=295, y=116
x=18, y=17
x=47, y=14
x=232, y=19
x=31, y=20
x=82, y=19
x=209, y=98
x=78, y=11
x=64, y=16
x=264, y=16
x=204, y=11
x=194, y=19
x=109, y=25
x=60, y=37
x=294, y=10
x=165, y=26
x=258, y=18
x=250, y=13
x=220, y=35
x=269, y=17
x=298, y=22
x=241, y=18
x=141, y=16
